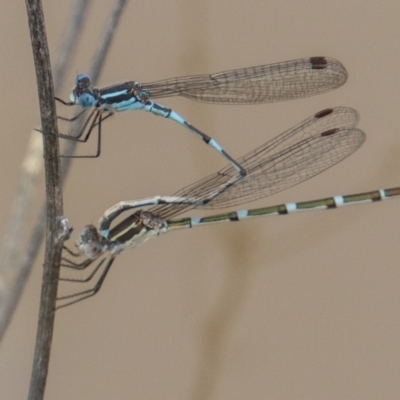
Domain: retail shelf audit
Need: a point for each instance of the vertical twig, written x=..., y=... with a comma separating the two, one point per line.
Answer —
x=54, y=241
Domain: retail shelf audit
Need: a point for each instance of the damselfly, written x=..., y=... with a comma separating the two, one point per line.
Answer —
x=296, y=155
x=254, y=85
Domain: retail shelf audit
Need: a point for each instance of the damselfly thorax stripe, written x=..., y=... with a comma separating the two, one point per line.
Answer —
x=254, y=85
x=296, y=155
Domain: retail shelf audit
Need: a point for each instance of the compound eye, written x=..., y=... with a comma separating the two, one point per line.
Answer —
x=86, y=100
x=82, y=79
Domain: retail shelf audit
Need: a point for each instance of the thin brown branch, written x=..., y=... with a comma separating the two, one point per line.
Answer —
x=54, y=241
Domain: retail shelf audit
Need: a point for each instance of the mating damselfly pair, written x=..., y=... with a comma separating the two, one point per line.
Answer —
x=262, y=84
x=294, y=156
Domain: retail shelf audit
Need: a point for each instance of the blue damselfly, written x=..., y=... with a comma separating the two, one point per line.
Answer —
x=254, y=85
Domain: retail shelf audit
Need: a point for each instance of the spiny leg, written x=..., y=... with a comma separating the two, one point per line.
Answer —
x=73, y=265
x=77, y=116
x=97, y=117
x=89, y=292
x=72, y=253
x=90, y=121
x=66, y=103
x=88, y=278
x=68, y=263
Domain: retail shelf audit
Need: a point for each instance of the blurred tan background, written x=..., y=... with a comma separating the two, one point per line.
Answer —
x=301, y=307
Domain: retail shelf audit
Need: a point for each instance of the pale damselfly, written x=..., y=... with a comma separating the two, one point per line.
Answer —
x=254, y=85
x=294, y=156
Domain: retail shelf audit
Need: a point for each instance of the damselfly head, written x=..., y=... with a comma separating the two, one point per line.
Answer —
x=90, y=242
x=83, y=94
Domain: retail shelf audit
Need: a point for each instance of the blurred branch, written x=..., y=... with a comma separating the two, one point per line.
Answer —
x=69, y=41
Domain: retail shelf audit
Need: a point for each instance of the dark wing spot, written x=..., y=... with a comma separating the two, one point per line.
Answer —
x=318, y=62
x=324, y=113
x=330, y=132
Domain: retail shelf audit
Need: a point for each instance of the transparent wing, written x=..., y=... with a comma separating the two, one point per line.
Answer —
x=294, y=156
x=263, y=84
